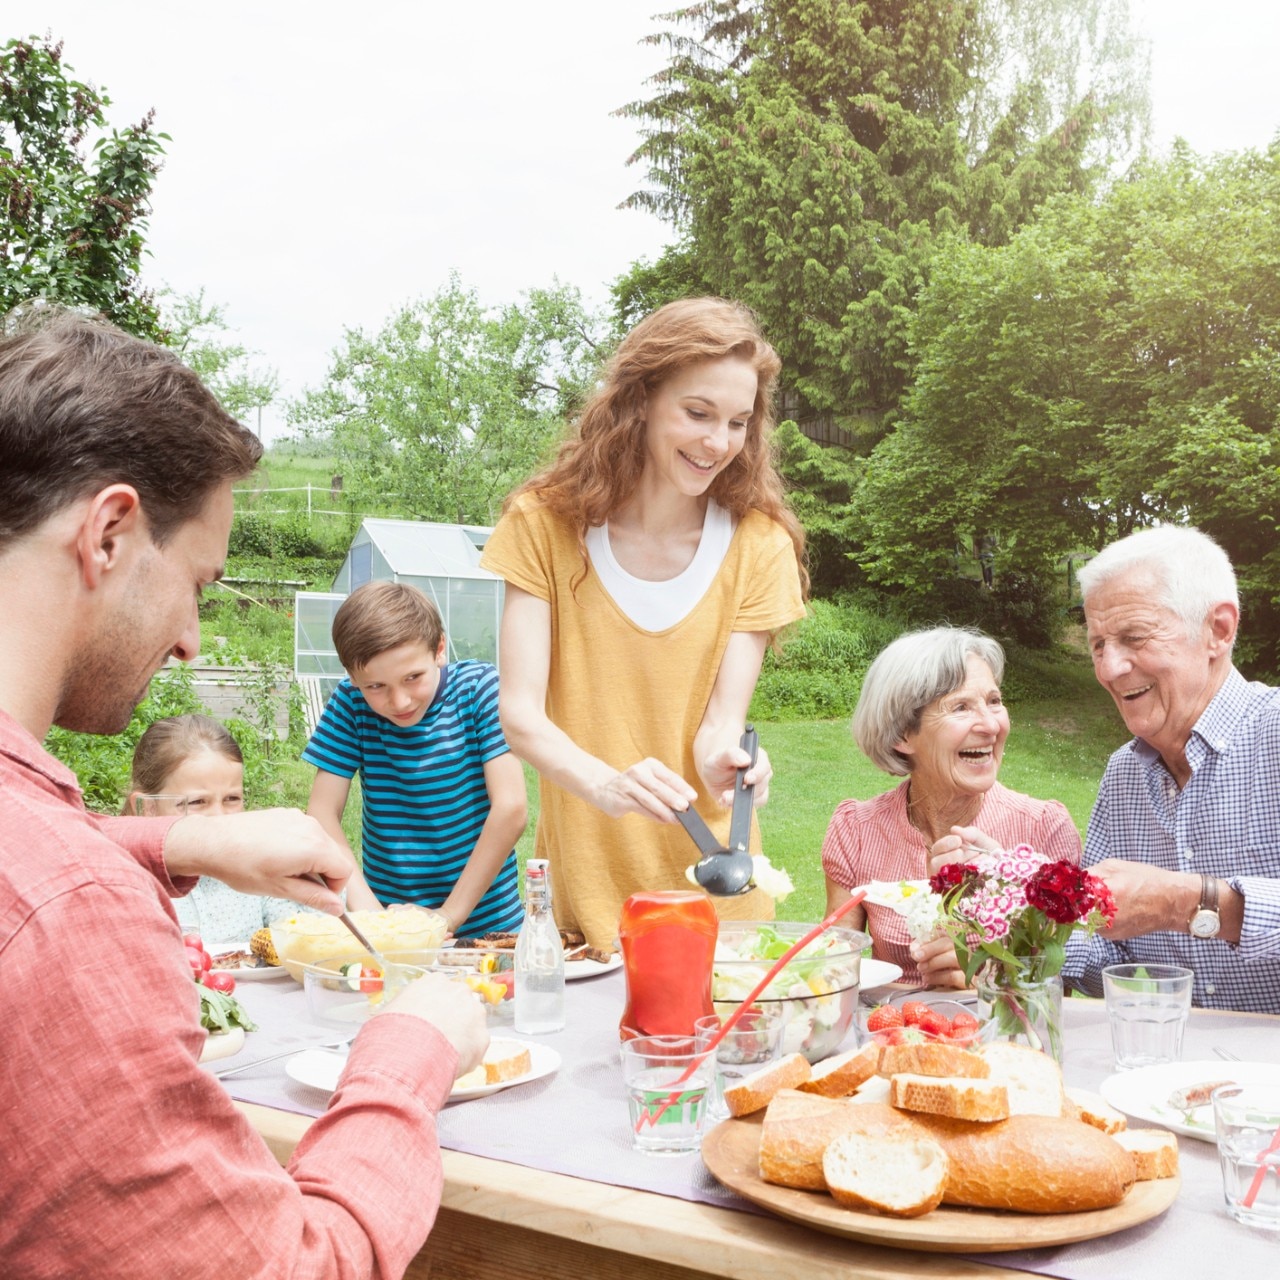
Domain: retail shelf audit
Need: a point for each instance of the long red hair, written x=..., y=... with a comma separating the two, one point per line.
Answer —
x=598, y=464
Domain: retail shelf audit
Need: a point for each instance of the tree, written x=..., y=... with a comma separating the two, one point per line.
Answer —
x=1115, y=364
x=813, y=153
x=452, y=404
x=71, y=230
x=193, y=329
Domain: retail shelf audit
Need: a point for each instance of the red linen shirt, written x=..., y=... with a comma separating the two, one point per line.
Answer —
x=874, y=840
x=119, y=1156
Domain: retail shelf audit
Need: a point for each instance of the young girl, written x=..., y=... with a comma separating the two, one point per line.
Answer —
x=196, y=758
x=647, y=570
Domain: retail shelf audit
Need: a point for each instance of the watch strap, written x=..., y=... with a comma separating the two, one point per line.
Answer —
x=1208, y=894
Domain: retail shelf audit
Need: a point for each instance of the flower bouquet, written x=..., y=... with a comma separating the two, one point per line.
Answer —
x=1010, y=915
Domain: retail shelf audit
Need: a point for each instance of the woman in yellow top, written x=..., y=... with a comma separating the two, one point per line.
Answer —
x=647, y=569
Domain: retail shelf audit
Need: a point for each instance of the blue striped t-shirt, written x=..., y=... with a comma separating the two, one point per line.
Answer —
x=425, y=800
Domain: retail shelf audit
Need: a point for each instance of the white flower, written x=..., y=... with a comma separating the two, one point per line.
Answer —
x=919, y=907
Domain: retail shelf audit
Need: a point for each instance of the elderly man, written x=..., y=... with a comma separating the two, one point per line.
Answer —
x=1186, y=827
x=123, y=1158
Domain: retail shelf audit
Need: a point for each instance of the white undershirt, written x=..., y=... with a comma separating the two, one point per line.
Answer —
x=655, y=606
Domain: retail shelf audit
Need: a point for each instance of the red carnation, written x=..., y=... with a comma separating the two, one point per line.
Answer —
x=951, y=876
x=1062, y=891
x=1102, y=899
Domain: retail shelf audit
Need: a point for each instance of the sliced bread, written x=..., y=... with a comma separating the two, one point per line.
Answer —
x=958, y=1097
x=897, y=1174
x=1154, y=1152
x=874, y=1090
x=1093, y=1109
x=1033, y=1079
x=932, y=1059
x=754, y=1092
x=839, y=1076
x=503, y=1060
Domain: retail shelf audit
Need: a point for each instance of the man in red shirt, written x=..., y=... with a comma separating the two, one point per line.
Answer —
x=120, y=1156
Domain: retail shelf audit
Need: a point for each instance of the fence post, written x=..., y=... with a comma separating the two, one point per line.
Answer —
x=308, y=501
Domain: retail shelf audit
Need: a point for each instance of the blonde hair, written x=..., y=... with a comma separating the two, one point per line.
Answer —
x=598, y=464
x=167, y=743
x=380, y=616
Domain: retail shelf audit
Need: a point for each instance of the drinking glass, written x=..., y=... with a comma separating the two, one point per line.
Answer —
x=754, y=1042
x=159, y=806
x=1147, y=1007
x=669, y=1080
x=1247, y=1120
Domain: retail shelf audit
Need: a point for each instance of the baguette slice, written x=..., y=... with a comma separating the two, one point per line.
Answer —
x=1032, y=1079
x=755, y=1091
x=1092, y=1108
x=900, y=1175
x=1154, y=1152
x=874, y=1090
x=958, y=1097
x=503, y=1060
x=839, y=1076
x=930, y=1059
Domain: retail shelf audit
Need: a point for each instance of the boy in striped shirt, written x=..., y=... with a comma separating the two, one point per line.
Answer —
x=443, y=797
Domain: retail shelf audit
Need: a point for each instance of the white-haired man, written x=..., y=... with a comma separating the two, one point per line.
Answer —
x=1186, y=826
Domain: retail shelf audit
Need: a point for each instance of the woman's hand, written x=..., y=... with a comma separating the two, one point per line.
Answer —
x=648, y=788
x=961, y=843
x=938, y=964
x=720, y=774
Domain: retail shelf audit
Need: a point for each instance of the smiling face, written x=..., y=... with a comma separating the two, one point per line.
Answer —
x=400, y=683
x=1160, y=677
x=211, y=783
x=696, y=423
x=960, y=742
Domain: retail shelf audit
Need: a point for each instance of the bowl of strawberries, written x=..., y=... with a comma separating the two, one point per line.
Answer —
x=918, y=1017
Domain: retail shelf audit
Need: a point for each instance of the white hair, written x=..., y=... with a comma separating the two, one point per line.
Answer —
x=1192, y=572
x=907, y=677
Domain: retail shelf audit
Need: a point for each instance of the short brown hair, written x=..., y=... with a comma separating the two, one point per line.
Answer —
x=381, y=616
x=84, y=405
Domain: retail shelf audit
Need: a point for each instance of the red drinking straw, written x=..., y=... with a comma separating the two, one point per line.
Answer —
x=1256, y=1185
x=732, y=1020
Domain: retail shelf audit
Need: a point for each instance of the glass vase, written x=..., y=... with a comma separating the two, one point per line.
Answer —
x=1022, y=1009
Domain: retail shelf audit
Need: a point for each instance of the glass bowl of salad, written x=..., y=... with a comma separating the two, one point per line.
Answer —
x=346, y=992
x=817, y=992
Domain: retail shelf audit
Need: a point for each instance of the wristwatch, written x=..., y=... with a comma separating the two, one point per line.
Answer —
x=1206, y=921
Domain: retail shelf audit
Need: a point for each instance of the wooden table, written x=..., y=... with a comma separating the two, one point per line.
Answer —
x=502, y=1221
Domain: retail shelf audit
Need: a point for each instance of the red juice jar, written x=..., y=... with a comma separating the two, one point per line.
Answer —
x=668, y=940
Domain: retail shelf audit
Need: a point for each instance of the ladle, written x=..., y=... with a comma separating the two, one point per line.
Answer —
x=726, y=871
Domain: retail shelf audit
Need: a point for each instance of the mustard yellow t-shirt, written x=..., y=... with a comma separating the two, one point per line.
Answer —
x=623, y=693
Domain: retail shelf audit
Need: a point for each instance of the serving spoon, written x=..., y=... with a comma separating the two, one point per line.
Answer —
x=722, y=871
x=345, y=917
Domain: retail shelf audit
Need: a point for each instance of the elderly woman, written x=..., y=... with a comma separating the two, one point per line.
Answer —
x=931, y=712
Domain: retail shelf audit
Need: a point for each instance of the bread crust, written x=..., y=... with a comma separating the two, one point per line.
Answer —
x=839, y=1076
x=1154, y=1152
x=755, y=1091
x=929, y=1059
x=957, y=1096
x=900, y=1175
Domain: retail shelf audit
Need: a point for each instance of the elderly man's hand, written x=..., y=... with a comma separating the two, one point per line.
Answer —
x=266, y=851
x=958, y=846
x=936, y=959
x=1147, y=898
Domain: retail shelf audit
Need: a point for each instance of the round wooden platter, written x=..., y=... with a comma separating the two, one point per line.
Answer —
x=731, y=1152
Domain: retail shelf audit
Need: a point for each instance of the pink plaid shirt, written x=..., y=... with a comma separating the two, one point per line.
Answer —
x=120, y=1156
x=874, y=840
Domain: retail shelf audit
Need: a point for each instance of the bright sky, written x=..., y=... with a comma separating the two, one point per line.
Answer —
x=330, y=162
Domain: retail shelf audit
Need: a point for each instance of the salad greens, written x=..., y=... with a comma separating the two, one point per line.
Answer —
x=219, y=1012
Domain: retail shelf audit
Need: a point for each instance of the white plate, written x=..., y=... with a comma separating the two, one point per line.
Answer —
x=574, y=969
x=1144, y=1092
x=875, y=973
x=216, y=949
x=320, y=1069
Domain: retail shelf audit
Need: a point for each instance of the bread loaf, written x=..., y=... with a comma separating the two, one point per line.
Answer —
x=799, y=1126
x=1032, y=1079
x=932, y=1059
x=754, y=1092
x=900, y=1174
x=955, y=1096
x=1154, y=1152
x=839, y=1076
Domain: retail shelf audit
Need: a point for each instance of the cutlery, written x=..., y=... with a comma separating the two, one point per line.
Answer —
x=345, y=917
x=725, y=872
x=222, y=1072
x=1227, y=1054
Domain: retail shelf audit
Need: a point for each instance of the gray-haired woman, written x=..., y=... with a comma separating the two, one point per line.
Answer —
x=931, y=711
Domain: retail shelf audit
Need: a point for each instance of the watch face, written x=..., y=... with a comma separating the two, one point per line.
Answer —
x=1205, y=923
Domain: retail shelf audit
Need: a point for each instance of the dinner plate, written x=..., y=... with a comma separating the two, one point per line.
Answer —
x=732, y=1152
x=216, y=949
x=1143, y=1092
x=574, y=969
x=320, y=1069
x=875, y=973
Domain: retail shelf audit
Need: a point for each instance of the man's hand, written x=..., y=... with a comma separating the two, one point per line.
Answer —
x=266, y=851
x=1147, y=898
x=959, y=846
x=452, y=1008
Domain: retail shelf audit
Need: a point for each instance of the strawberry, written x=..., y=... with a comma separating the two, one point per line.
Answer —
x=912, y=1012
x=935, y=1025
x=883, y=1017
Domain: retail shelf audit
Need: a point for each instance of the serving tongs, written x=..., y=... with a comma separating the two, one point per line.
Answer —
x=722, y=871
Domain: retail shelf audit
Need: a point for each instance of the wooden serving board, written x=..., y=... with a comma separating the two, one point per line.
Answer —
x=732, y=1150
